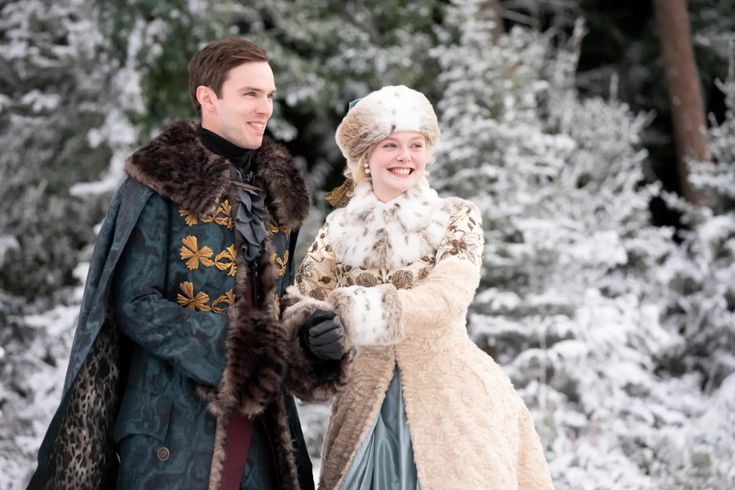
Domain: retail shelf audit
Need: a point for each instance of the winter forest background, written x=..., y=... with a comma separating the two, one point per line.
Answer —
x=577, y=126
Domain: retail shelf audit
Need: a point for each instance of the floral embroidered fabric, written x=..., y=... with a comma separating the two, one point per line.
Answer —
x=321, y=271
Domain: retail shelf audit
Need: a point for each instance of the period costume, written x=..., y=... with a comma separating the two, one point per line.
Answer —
x=424, y=407
x=180, y=333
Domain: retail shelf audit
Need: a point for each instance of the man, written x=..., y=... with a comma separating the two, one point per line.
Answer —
x=182, y=354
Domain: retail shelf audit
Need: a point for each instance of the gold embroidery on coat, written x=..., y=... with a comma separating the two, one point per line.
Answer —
x=273, y=228
x=226, y=210
x=193, y=255
x=189, y=219
x=280, y=263
x=228, y=298
x=222, y=216
x=198, y=302
x=229, y=266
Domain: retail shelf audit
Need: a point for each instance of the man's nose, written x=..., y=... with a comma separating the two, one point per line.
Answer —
x=265, y=106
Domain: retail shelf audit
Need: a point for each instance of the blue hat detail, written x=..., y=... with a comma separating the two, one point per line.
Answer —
x=353, y=104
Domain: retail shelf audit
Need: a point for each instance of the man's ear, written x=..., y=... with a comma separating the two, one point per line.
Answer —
x=206, y=98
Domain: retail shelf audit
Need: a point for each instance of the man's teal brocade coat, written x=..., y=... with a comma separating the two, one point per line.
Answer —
x=165, y=348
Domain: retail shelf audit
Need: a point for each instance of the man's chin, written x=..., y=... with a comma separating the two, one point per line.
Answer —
x=249, y=144
x=253, y=143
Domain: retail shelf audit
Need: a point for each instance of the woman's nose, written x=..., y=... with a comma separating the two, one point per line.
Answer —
x=404, y=154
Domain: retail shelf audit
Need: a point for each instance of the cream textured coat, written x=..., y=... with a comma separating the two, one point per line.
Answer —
x=402, y=275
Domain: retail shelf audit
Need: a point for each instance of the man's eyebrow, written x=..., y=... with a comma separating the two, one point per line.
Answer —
x=255, y=89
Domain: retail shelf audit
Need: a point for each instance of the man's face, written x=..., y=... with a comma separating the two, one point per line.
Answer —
x=241, y=113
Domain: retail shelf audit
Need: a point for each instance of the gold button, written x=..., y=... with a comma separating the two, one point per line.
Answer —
x=163, y=454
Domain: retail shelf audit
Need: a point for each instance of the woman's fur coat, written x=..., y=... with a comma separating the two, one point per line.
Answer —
x=402, y=275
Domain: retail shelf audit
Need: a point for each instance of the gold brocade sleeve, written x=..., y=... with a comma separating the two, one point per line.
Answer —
x=463, y=238
x=317, y=275
x=437, y=301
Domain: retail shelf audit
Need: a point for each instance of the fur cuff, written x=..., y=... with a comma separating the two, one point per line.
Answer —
x=371, y=315
x=256, y=350
x=309, y=378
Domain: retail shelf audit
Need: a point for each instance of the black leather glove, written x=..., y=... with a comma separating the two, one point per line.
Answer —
x=323, y=335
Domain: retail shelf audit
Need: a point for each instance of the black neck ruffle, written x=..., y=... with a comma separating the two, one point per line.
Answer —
x=251, y=213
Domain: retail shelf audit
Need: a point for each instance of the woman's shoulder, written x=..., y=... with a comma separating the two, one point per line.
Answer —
x=459, y=208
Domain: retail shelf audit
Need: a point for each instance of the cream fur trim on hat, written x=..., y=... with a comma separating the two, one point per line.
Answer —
x=380, y=113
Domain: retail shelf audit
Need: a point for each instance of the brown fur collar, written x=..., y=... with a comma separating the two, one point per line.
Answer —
x=176, y=165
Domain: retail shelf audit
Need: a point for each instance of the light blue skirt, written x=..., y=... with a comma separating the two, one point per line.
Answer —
x=385, y=459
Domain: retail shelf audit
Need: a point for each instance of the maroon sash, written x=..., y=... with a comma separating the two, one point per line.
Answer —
x=239, y=428
x=239, y=434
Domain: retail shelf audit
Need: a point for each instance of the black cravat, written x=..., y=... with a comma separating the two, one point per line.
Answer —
x=250, y=217
x=241, y=157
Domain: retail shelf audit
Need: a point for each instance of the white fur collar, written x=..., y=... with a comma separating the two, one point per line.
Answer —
x=372, y=234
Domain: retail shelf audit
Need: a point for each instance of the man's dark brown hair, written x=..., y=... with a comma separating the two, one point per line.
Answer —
x=210, y=66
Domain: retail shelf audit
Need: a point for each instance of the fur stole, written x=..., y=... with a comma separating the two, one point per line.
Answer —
x=369, y=233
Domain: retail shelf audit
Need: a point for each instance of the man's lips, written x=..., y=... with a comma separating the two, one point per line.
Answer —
x=257, y=125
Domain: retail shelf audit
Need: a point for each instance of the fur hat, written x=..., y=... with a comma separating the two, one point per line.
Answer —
x=380, y=113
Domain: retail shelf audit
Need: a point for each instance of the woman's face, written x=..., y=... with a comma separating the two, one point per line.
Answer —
x=397, y=163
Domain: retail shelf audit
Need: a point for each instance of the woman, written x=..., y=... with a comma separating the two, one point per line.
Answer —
x=423, y=406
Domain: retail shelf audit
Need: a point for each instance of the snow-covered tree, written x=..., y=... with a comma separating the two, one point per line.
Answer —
x=700, y=304
x=570, y=301
x=703, y=276
x=64, y=115
x=50, y=95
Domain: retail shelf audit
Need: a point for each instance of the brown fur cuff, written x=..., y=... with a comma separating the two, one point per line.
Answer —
x=371, y=316
x=308, y=378
x=256, y=351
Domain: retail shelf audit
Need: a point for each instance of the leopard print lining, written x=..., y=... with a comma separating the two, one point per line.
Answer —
x=84, y=455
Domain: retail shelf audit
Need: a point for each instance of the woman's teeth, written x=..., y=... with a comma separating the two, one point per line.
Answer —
x=401, y=171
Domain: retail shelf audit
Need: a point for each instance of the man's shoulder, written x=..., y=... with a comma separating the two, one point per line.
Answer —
x=178, y=167
x=133, y=192
x=127, y=205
